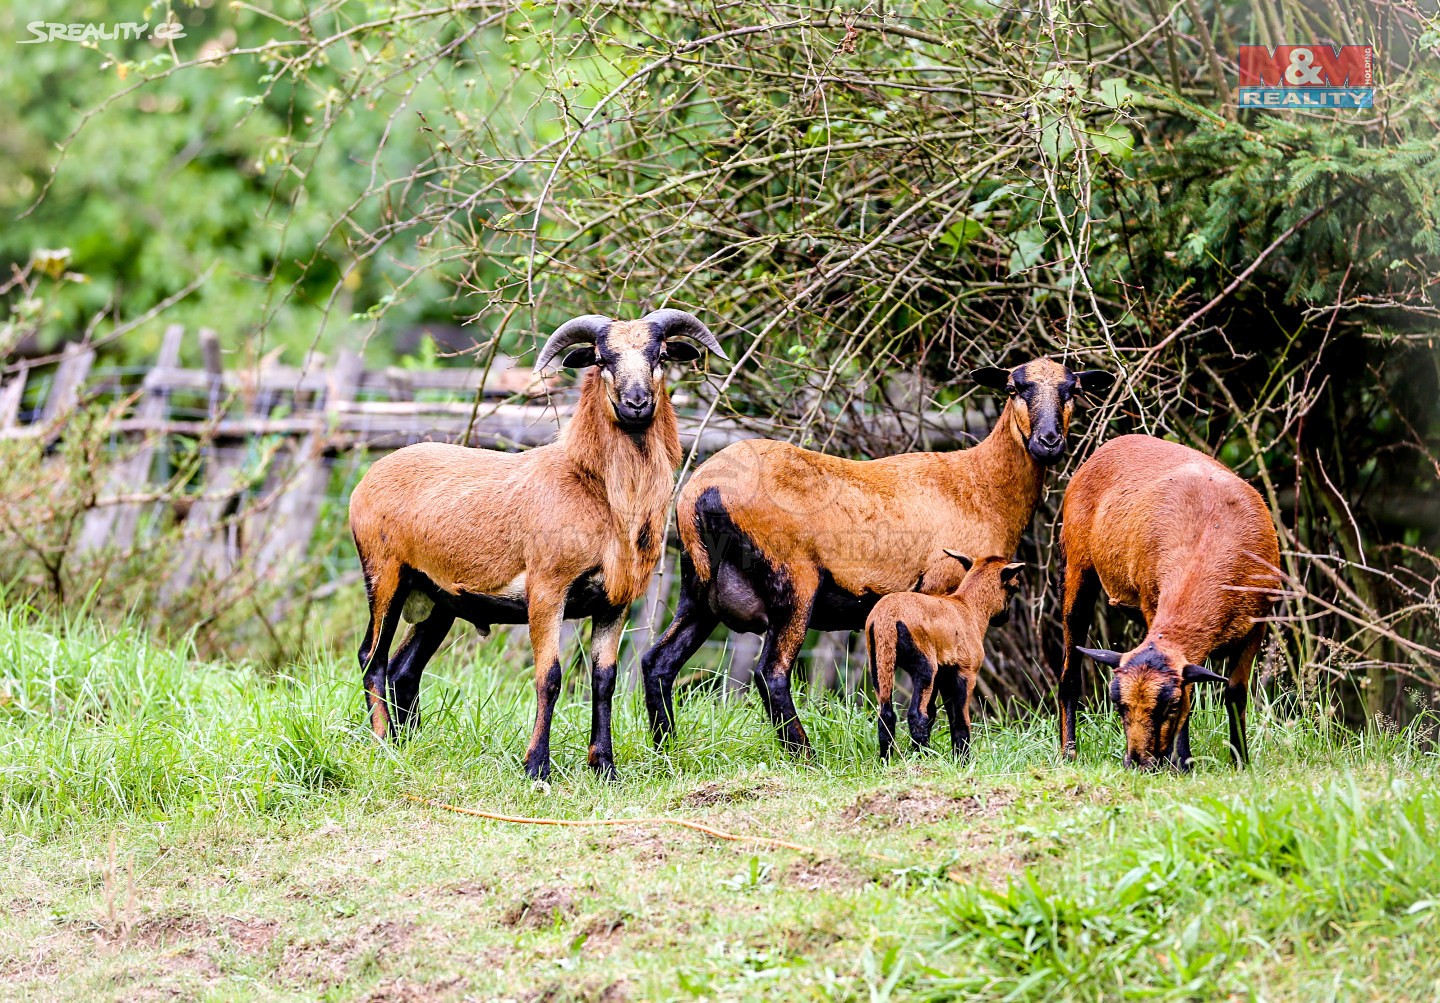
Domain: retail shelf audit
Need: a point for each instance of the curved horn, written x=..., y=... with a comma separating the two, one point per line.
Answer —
x=679, y=324
x=584, y=330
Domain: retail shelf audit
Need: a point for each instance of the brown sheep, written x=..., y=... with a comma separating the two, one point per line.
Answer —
x=1170, y=531
x=564, y=531
x=778, y=539
x=939, y=639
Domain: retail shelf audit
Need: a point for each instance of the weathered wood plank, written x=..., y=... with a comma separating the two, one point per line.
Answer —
x=298, y=510
x=69, y=381
x=115, y=525
x=11, y=396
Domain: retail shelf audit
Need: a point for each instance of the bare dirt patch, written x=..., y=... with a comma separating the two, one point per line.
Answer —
x=732, y=791
x=589, y=992
x=646, y=844
x=463, y=889
x=403, y=991
x=825, y=874
x=167, y=929
x=604, y=933
x=170, y=929
x=325, y=888
x=538, y=908
x=327, y=962
x=923, y=805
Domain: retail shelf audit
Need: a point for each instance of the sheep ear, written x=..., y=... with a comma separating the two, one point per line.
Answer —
x=1094, y=381
x=1200, y=674
x=581, y=358
x=1010, y=573
x=965, y=562
x=681, y=351
x=1101, y=655
x=992, y=377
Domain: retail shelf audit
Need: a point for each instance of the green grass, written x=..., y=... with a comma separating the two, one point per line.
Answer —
x=178, y=829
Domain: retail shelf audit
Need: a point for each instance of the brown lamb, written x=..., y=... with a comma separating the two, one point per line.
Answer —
x=564, y=531
x=939, y=639
x=1170, y=531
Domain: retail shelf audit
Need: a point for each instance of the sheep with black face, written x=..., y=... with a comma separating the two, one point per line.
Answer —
x=779, y=540
x=1165, y=529
x=564, y=531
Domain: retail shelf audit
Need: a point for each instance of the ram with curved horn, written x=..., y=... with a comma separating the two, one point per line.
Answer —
x=568, y=530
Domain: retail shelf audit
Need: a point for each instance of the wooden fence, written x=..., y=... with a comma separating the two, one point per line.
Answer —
x=269, y=438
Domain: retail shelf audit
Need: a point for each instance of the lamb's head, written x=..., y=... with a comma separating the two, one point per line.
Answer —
x=1042, y=396
x=989, y=586
x=631, y=356
x=1151, y=689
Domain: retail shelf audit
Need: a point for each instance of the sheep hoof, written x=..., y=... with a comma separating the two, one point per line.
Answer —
x=538, y=769
x=1067, y=753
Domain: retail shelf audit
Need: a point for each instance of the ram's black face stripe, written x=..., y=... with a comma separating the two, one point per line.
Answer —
x=629, y=355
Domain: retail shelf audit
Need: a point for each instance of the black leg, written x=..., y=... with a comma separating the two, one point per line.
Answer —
x=1237, y=695
x=884, y=682
x=1181, y=759
x=659, y=666
x=1082, y=588
x=921, y=715
x=772, y=678
x=409, y=664
x=604, y=647
x=1236, y=698
x=547, y=611
x=955, y=692
x=385, y=602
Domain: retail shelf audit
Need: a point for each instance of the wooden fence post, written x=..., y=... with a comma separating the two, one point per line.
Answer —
x=75, y=363
x=115, y=525
x=10, y=397
x=221, y=477
x=298, y=509
x=744, y=653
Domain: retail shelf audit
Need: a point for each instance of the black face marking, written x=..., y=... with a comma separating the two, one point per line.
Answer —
x=1045, y=393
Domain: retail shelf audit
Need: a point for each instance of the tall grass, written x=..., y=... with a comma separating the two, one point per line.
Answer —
x=101, y=724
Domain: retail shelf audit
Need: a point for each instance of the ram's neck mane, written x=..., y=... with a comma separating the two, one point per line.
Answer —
x=636, y=475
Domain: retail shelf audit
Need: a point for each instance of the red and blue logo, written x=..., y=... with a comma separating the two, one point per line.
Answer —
x=1307, y=76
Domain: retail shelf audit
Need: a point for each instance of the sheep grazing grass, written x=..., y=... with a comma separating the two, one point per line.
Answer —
x=181, y=829
x=1167, y=530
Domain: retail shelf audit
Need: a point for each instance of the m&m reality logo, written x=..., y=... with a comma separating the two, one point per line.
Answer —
x=1306, y=76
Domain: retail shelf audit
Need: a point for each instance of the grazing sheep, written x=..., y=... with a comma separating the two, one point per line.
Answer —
x=564, y=531
x=1165, y=528
x=939, y=639
x=780, y=539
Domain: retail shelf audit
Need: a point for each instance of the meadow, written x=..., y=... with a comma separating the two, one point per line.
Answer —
x=181, y=829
